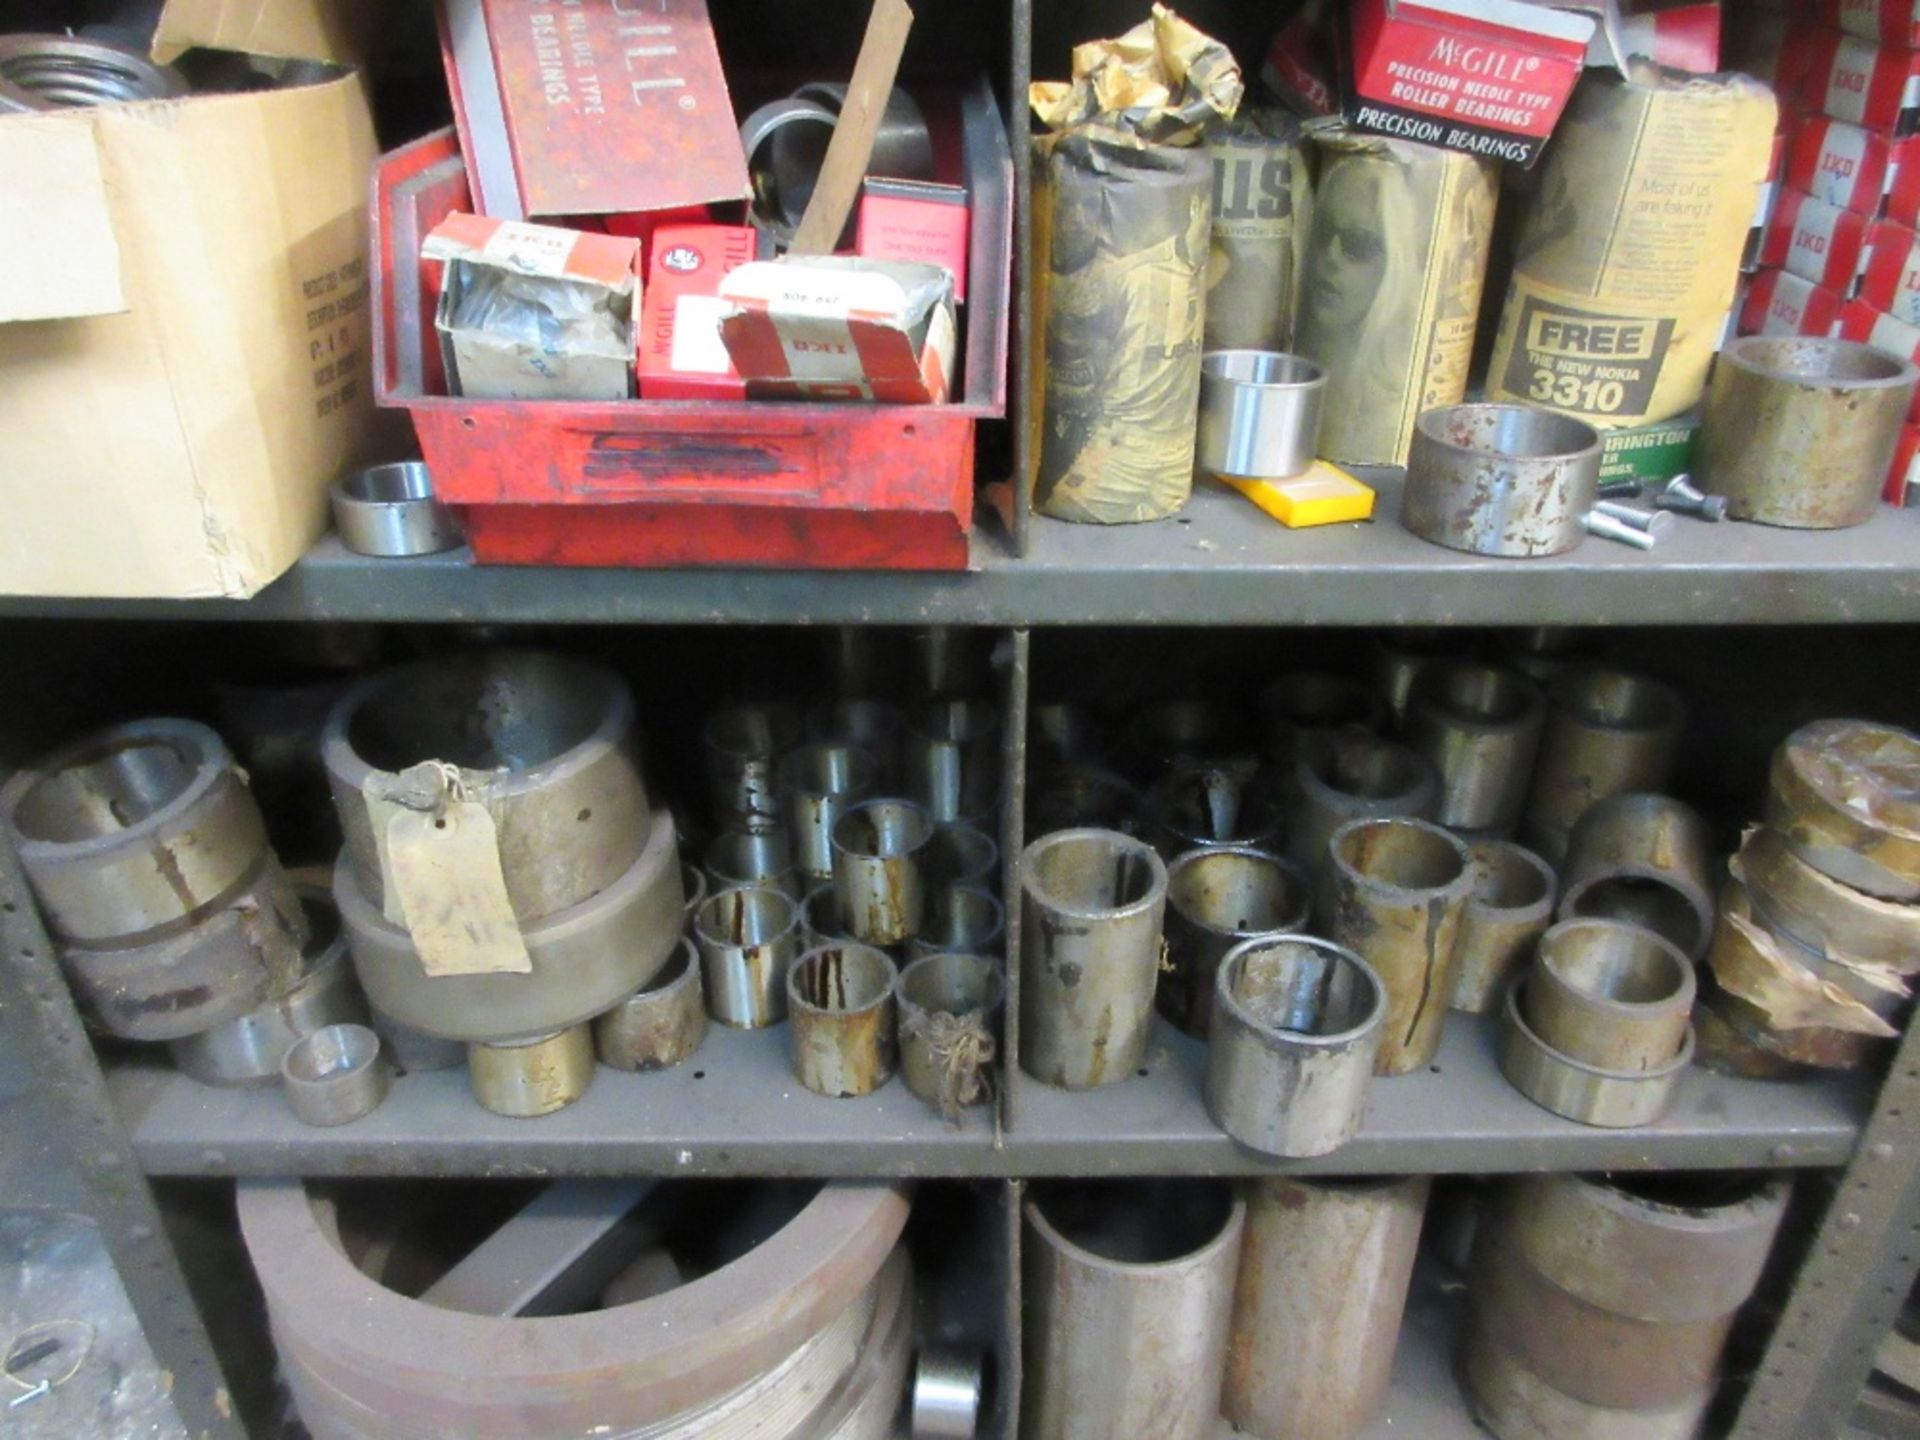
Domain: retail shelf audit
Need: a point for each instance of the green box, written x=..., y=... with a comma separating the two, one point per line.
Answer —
x=1652, y=454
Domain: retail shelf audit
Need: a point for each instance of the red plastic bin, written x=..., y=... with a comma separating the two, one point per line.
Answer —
x=660, y=483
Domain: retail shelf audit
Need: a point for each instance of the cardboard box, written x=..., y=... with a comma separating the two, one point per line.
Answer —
x=1781, y=303
x=1890, y=275
x=681, y=355
x=1651, y=454
x=1854, y=80
x=1815, y=240
x=566, y=336
x=833, y=327
x=1489, y=77
x=1893, y=23
x=183, y=330
x=915, y=220
x=1839, y=163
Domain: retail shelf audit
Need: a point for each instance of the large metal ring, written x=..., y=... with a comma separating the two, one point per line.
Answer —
x=55, y=72
x=546, y=742
x=135, y=831
x=1641, y=858
x=1821, y=913
x=1506, y=480
x=335, y=1075
x=585, y=958
x=391, y=511
x=1609, y=1099
x=1515, y=1404
x=1610, y=995
x=1839, y=796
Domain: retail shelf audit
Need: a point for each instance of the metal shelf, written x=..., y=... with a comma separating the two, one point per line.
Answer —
x=735, y=1110
x=1220, y=563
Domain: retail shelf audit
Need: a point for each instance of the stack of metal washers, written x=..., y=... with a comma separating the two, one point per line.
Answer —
x=582, y=1318
x=1599, y=1306
x=1818, y=938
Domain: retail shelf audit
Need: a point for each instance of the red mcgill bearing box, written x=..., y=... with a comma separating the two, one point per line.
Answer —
x=1890, y=281
x=1815, y=240
x=1779, y=302
x=915, y=220
x=1860, y=321
x=1854, y=80
x=1489, y=77
x=1894, y=23
x=680, y=354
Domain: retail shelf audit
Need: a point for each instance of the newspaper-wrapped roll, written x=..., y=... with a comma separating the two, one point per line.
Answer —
x=1392, y=285
x=1262, y=207
x=1629, y=255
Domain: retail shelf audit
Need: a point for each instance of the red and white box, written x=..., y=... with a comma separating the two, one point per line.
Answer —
x=915, y=220
x=1903, y=476
x=1815, y=240
x=1857, y=81
x=1894, y=23
x=680, y=355
x=1839, y=163
x=1860, y=321
x=1890, y=277
x=1779, y=302
x=837, y=327
x=1902, y=204
x=1489, y=77
x=1680, y=37
x=1301, y=66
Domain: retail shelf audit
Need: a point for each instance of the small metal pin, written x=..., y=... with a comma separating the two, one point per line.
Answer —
x=1681, y=494
x=1620, y=489
x=1612, y=529
x=34, y=1394
x=1653, y=522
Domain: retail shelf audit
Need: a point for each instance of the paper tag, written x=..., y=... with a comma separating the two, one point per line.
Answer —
x=444, y=866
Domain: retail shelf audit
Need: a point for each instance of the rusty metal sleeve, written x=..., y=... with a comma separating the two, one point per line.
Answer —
x=818, y=784
x=962, y=920
x=1300, y=709
x=1394, y=892
x=1513, y=1403
x=1324, y=1269
x=1610, y=995
x=527, y=1078
x=870, y=725
x=1841, y=793
x=744, y=744
x=1611, y=1099
x=1480, y=726
x=1129, y=1294
x=546, y=742
x=660, y=1024
x=951, y=760
x=1512, y=905
x=1643, y=859
x=1290, y=1055
x=1216, y=898
x=841, y=1019
x=748, y=937
x=1500, y=479
x=760, y=855
x=1607, y=731
x=1352, y=776
x=1820, y=912
x=1092, y=903
x=879, y=869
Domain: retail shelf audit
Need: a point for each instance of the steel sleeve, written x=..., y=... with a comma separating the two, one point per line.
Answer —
x=1610, y=1099
x=1642, y=858
x=1613, y=996
x=842, y=1019
x=1820, y=912
x=1840, y=794
x=879, y=870
x=546, y=742
x=947, y=988
x=523, y=1079
x=135, y=831
x=1505, y=480
x=818, y=784
x=1511, y=907
x=660, y=1024
x=584, y=958
x=1515, y=1404
x=335, y=1075
x=1607, y=732
x=1350, y=776
x=1216, y=899
x=1197, y=805
x=1324, y=1270
x=1480, y=727
x=1291, y=1053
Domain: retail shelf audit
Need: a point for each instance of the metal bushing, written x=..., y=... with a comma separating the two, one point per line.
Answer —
x=1824, y=915
x=248, y=1051
x=55, y=72
x=526, y=1078
x=1608, y=1099
x=335, y=1075
x=1400, y=657
x=949, y=1009
x=1061, y=733
x=842, y=1018
x=585, y=958
x=1324, y=1271
x=745, y=744
x=1607, y=732
x=1506, y=480
x=1641, y=859
x=748, y=937
x=1745, y=963
x=874, y=726
x=545, y=742
x=134, y=832
x=1842, y=795
x=880, y=870
x=1394, y=892
x=1196, y=805
x=416, y=1369
x=1662, y=1248
x=1082, y=797
x=1480, y=726
x=961, y=921
x=218, y=969
x=660, y=1024
x=1259, y=413
x=1128, y=1292
x=951, y=760
x=1800, y=431
x=946, y=662
x=761, y=855
x=1299, y=709
x=1092, y=902
x=1340, y=778
x=948, y=1386
x=1512, y=905
x=391, y=511
x=962, y=857
x=1290, y=1053
x=1217, y=898
x=1610, y=995
x=1515, y=1404
x=818, y=784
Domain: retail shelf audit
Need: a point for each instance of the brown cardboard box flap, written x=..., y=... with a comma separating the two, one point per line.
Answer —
x=59, y=256
x=285, y=29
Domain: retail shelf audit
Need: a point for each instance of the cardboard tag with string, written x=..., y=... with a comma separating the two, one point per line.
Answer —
x=443, y=862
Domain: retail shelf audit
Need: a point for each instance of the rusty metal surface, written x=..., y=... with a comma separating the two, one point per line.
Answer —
x=1764, y=983
x=528, y=1078
x=1480, y=727
x=842, y=1018
x=1513, y=1403
x=1128, y=1297
x=1644, y=859
x=1611, y=1099
x=818, y=782
x=1607, y=732
x=1092, y=904
x=879, y=869
x=744, y=744
x=1610, y=995
x=1511, y=907
x=1799, y=431
x=748, y=937
x=1353, y=775
x=1394, y=892
x=1845, y=795
x=1820, y=912
x=1216, y=898
x=960, y=919
x=660, y=1024
x=1324, y=1270
x=950, y=1010
x=1505, y=480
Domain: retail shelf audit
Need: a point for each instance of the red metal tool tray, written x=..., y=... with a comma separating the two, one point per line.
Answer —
x=661, y=483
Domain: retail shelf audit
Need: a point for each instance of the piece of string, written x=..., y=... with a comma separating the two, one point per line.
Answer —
x=963, y=1051
x=77, y=1339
